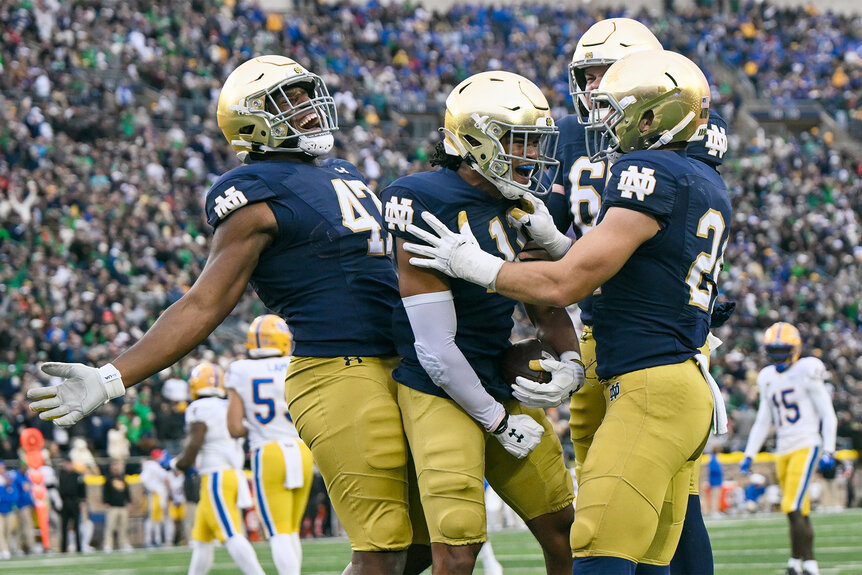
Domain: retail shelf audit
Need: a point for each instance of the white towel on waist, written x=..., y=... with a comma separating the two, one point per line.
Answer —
x=243, y=493
x=713, y=342
x=294, y=478
x=719, y=411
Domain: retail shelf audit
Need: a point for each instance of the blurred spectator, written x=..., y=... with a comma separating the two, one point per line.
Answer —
x=716, y=481
x=118, y=443
x=23, y=509
x=72, y=494
x=7, y=506
x=115, y=494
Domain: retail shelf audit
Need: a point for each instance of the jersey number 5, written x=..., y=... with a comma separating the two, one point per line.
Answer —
x=356, y=218
x=701, y=275
x=263, y=400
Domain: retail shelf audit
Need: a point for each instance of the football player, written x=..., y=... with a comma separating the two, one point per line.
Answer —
x=661, y=234
x=694, y=551
x=219, y=459
x=154, y=479
x=280, y=462
x=794, y=399
x=576, y=201
x=460, y=417
x=309, y=237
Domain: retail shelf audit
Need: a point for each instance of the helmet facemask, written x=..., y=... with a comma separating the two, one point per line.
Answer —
x=647, y=100
x=500, y=150
x=276, y=109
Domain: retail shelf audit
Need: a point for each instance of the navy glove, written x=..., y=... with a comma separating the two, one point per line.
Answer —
x=721, y=312
x=827, y=463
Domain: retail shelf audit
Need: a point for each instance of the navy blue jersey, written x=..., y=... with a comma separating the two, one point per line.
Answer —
x=583, y=182
x=329, y=273
x=712, y=147
x=484, y=318
x=655, y=310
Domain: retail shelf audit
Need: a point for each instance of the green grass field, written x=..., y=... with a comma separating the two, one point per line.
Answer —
x=743, y=546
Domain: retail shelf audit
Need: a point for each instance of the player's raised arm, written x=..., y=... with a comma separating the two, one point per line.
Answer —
x=237, y=244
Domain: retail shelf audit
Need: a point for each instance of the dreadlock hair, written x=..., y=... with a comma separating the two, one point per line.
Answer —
x=439, y=157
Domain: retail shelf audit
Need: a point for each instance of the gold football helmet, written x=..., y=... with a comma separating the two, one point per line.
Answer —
x=268, y=336
x=500, y=124
x=782, y=343
x=256, y=115
x=206, y=380
x=647, y=100
x=602, y=44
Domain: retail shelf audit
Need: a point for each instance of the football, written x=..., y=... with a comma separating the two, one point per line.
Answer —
x=515, y=361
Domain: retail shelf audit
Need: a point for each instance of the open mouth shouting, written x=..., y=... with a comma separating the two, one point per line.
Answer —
x=523, y=172
x=308, y=122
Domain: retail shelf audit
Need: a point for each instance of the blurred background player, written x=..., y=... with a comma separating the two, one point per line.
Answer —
x=281, y=464
x=219, y=459
x=154, y=479
x=310, y=238
x=462, y=420
x=175, y=530
x=794, y=399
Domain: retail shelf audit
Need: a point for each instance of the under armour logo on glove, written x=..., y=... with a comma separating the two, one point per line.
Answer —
x=519, y=434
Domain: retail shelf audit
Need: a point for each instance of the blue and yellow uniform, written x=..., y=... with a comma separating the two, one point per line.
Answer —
x=451, y=450
x=578, y=207
x=337, y=288
x=656, y=395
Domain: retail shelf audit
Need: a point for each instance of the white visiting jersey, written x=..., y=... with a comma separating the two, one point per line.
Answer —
x=796, y=402
x=220, y=451
x=260, y=384
x=154, y=478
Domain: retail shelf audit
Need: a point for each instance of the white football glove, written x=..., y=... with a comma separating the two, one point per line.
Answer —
x=567, y=377
x=519, y=434
x=534, y=217
x=83, y=390
x=455, y=254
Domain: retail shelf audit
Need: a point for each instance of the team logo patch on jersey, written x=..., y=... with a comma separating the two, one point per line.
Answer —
x=716, y=141
x=637, y=181
x=341, y=170
x=230, y=200
x=399, y=213
x=614, y=391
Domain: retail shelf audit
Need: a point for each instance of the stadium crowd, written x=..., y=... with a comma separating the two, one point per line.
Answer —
x=109, y=143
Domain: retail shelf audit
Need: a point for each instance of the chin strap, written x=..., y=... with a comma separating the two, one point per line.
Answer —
x=670, y=134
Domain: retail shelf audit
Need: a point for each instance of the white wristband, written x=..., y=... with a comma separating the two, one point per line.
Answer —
x=559, y=247
x=483, y=270
x=112, y=380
